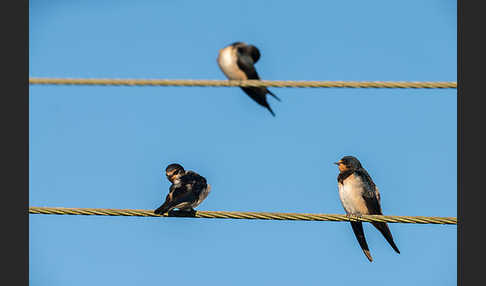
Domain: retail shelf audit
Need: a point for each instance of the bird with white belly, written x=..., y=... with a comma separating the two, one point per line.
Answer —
x=360, y=196
x=237, y=63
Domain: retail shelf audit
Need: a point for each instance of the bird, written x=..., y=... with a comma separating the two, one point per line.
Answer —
x=360, y=196
x=237, y=61
x=187, y=191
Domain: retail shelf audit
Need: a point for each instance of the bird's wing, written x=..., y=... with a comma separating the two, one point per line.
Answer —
x=177, y=194
x=173, y=198
x=377, y=193
x=370, y=192
x=253, y=52
x=246, y=63
x=184, y=193
x=195, y=182
x=371, y=196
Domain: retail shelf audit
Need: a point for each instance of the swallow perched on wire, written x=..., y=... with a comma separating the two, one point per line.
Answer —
x=237, y=63
x=360, y=196
x=187, y=191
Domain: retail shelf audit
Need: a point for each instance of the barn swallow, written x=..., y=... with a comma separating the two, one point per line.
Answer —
x=187, y=191
x=237, y=63
x=360, y=196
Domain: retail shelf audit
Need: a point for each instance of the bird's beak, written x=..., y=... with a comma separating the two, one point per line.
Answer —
x=337, y=163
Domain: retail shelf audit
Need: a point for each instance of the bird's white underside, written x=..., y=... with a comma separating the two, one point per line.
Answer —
x=350, y=193
x=227, y=63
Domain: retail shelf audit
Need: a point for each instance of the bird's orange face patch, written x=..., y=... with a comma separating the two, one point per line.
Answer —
x=342, y=167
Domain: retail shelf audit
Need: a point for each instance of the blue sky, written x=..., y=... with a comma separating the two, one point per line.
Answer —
x=106, y=147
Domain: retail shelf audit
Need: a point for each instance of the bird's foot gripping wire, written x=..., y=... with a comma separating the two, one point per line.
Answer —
x=354, y=217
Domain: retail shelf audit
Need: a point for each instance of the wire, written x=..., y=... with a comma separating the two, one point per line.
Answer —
x=244, y=215
x=242, y=83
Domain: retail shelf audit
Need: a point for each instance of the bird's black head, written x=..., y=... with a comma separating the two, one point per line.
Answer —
x=248, y=50
x=173, y=171
x=237, y=44
x=348, y=163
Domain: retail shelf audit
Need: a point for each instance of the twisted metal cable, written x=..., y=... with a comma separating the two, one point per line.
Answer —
x=245, y=215
x=243, y=83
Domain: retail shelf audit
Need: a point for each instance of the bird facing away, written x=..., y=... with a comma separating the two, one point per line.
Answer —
x=237, y=63
x=187, y=191
x=360, y=196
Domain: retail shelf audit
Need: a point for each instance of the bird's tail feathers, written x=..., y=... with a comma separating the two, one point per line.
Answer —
x=270, y=109
x=359, y=233
x=272, y=94
x=383, y=228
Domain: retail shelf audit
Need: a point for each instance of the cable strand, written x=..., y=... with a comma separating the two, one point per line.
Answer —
x=241, y=83
x=245, y=215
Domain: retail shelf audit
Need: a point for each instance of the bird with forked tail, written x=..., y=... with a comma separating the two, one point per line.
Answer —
x=360, y=196
x=237, y=63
